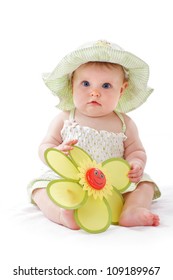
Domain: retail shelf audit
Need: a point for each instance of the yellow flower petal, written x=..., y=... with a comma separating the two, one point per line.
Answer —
x=79, y=156
x=94, y=216
x=66, y=193
x=61, y=164
x=118, y=170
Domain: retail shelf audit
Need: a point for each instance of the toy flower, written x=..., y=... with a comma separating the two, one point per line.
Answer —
x=92, y=189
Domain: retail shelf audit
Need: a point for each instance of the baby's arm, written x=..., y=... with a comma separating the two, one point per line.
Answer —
x=53, y=140
x=53, y=137
x=134, y=151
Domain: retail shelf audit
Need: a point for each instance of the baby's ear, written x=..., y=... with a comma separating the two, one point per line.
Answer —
x=124, y=86
x=71, y=78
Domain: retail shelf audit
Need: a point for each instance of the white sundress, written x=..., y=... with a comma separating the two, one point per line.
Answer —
x=100, y=145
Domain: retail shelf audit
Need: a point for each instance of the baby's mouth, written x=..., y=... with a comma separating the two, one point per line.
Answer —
x=94, y=103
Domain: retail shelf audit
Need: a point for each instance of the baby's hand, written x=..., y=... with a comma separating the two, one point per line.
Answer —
x=65, y=147
x=136, y=172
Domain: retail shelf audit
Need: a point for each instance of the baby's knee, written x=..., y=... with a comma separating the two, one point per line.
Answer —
x=38, y=194
x=148, y=187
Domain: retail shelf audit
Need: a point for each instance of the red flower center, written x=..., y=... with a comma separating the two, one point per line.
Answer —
x=95, y=178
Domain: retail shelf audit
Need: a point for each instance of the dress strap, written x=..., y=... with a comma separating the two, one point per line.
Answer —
x=71, y=115
x=122, y=120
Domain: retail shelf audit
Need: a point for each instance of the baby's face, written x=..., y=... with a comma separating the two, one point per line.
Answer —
x=97, y=88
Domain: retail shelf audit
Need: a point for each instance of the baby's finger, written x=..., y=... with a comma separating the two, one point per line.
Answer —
x=71, y=142
x=64, y=148
x=67, y=148
x=135, y=180
x=65, y=153
x=135, y=172
x=135, y=177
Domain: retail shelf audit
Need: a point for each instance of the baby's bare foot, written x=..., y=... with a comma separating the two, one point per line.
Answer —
x=67, y=219
x=138, y=216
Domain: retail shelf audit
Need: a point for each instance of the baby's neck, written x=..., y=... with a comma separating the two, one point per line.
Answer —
x=80, y=116
x=109, y=122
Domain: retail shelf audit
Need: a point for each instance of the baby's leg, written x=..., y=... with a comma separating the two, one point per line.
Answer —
x=136, y=210
x=52, y=211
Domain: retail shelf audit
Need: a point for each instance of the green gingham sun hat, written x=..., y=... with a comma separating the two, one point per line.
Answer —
x=59, y=81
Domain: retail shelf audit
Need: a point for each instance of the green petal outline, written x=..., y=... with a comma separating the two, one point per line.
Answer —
x=78, y=156
x=116, y=202
x=57, y=159
x=106, y=164
x=109, y=215
x=59, y=184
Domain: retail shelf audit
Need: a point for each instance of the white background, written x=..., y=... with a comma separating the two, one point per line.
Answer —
x=35, y=35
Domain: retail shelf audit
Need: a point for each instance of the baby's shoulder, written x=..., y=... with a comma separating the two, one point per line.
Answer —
x=129, y=122
x=62, y=116
x=58, y=120
x=127, y=119
x=131, y=127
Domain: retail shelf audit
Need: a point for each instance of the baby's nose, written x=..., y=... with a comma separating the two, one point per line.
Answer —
x=95, y=92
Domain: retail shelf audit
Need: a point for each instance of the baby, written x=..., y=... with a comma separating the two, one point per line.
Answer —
x=97, y=84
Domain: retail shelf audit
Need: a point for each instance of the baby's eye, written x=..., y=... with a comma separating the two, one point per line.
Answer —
x=85, y=83
x=106, y=85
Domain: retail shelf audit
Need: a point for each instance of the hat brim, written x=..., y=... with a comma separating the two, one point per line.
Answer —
x=135, y=94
